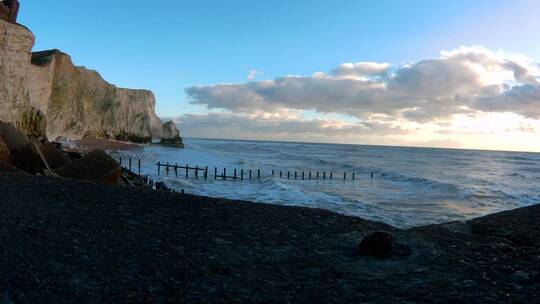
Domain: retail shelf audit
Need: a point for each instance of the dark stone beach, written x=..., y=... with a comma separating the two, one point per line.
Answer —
x=67, y=241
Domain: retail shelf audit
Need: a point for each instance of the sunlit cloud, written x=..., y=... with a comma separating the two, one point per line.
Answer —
x=458, y=89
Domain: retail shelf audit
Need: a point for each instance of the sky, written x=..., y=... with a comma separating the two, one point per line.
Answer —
x=458, y=74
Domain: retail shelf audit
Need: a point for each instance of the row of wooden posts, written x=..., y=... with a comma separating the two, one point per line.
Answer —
x=249, y=174
x=145, y=179
x=129, y=165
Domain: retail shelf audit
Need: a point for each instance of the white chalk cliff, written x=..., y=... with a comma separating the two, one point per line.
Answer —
x=45, y=94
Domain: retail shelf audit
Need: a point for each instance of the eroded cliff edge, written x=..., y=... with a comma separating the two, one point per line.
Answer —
x=45, y=94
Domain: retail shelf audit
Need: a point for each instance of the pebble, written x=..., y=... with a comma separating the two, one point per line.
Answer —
x=519, y=276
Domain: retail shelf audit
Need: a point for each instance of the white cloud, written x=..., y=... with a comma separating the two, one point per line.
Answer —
x=465, y=78
x=360, y=70
x=252, y=74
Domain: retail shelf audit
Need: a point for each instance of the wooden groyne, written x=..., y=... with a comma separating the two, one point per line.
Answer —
x=187, y=171
x=197, y=172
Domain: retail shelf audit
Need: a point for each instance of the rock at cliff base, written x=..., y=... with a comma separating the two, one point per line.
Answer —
x=170, y=130
x=5, y=154
x=377, y=244
x=5, y=168
x=14, y=138
x=28, y=159
x=171, y=136
x=172, y=142
x=96, y=166
x=53, y=156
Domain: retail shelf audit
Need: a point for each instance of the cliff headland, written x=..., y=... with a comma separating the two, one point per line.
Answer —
x=46, y=96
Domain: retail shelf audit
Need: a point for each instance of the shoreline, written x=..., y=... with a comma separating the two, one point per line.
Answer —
x=78, y=241
x=89, y=144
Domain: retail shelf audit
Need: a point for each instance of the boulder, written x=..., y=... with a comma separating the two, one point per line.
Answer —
x=28, y=159
x=377, y=244
x=14, y=138
x=53, y=156
x=95, y=166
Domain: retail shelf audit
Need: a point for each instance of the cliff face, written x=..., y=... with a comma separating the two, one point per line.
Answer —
x=79, y=103
x=44, y=93
x=15, y=104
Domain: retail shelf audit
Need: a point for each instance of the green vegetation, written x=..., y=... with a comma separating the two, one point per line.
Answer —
x=33, y=123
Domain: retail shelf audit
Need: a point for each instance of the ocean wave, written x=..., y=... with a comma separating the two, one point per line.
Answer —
x=422, y=182
x=515, y=174
x=530, y=169
x=521, y=158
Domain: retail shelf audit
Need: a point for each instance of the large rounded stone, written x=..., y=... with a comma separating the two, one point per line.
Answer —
x=28, y=159
x=377, y=244
x=96, y=166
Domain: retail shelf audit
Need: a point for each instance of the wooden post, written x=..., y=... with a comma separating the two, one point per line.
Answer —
x=196, y=172
x=317, y=174
x=259, y=173
x=249, y=173
x=158, y=168
x=187, y=171
x=324, y=175
x=167, y=169
x=139, y=166
x=272, y=173
x=331, y=175
x=295, y=175
x=215, y=172
x=120, y=162
x=234, y=174
x=309, y=174
x=344, y=175
x=288, y=174
x=371, y=175
x=242, y=174
x=206, y=172
x=353, y=176
x=129, y=164
x=224, y=173
x=280, y=174
x=302, y=174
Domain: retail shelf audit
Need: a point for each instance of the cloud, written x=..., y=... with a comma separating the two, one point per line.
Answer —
x=522, y=99
x=504, y=131
x=360, y=70
x=270, y=127
x=252, y=74
x=465, y=80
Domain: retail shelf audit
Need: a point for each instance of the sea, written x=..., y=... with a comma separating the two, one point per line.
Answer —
x=400, y=186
